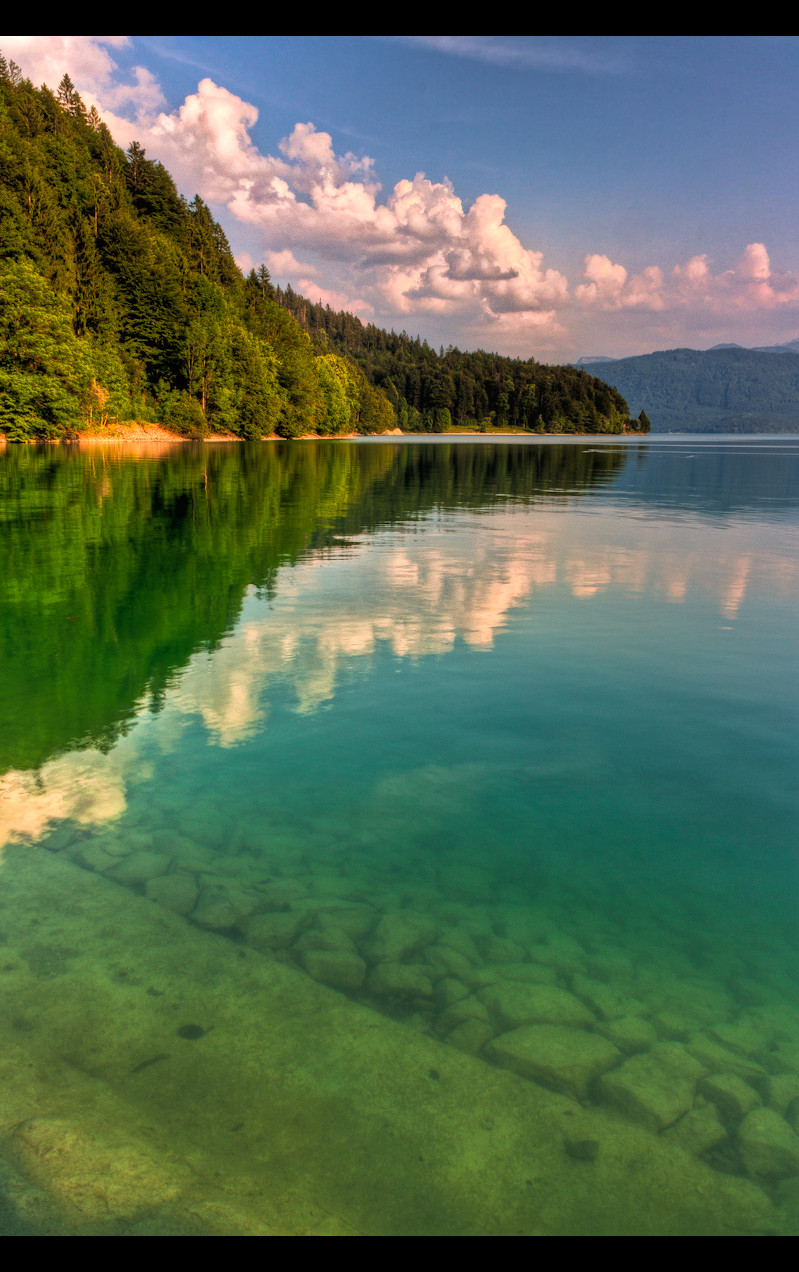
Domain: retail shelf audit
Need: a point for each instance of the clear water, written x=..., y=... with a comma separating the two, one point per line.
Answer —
x=400, y=837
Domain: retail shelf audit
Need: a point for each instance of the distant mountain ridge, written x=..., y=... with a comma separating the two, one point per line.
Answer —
x=727, y=389
x=790, y=346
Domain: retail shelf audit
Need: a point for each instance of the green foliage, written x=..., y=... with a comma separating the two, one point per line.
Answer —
x=122, y=299
x=431, y=392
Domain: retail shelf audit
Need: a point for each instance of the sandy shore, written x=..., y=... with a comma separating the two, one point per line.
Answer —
x=141, y=434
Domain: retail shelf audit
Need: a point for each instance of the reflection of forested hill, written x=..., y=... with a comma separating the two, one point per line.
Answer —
x=113, y=571
x=720, y=390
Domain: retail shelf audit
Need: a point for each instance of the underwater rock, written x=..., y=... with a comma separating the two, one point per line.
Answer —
x=177, y=892
x=528, y=973
x=137, y=868
x=770, y=1149
x=318, y=905
x=783, y=1058
x=744, y=1037
x=446, y=963
x=781, y=1090
x=449, y=991
x=655, y=1087
x=780, y=1020
x=470, y=1036
x=266, y=932
x=514, y=1003
x=453, y=938
x=188, y=856
x=399, y=980
x=92, y=856
x=356, y=920
x=62, y=837
x=324, y=938
x=278, y=894
x=397, y=936
x=690, y=1000
x=630, y=1034
x=717, y=1059
x=220, y=909
x=464, y=1009
x=733, y=1097
x=336, y=968
x=697, y=1131
x=674, y=1026
x=563, y=1059
x=604, y=1000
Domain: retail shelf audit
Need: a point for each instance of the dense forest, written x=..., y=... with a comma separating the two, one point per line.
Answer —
x=120, y=300
x=431, y=392
x=726, y=390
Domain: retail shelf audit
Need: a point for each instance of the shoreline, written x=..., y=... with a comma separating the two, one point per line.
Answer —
x=150, y=434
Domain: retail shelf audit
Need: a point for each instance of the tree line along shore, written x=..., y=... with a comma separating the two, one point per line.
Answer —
x=121, y=304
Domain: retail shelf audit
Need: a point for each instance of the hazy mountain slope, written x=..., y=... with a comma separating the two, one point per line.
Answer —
x=727, y=390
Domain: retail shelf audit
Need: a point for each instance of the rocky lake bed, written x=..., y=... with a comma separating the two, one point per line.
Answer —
x=630, y=1019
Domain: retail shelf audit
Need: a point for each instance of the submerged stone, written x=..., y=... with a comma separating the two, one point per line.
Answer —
x=470, y=1036
x=275, y=931
x=138, y=868
x=337, y=968
x=514, y=1003
x=528, y=973
x=769, y=1148
x=718, y=1059
x=781, y=1091
x=469, y=1008
x=733, y=1097
x=560, y=1058
x=604, y=1000
x=698, y=1131
x=655, y=1087
x=399, y=980
x=397, y=936
x=630, y=1034
x=177, y=892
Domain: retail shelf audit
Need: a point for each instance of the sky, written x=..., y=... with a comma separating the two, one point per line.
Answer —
x=551, y=197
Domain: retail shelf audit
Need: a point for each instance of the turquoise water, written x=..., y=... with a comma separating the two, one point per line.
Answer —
x=482, y=756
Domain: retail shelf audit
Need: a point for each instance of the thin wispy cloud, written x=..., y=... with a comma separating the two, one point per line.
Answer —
x=171, y=54
x=522, y=52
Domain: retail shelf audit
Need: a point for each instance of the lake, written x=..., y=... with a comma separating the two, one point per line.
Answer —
x=400, y=837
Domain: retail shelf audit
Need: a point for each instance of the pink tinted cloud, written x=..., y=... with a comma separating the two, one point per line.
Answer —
x=414, y=249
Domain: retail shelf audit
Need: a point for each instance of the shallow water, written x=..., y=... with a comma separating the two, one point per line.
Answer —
x=401, y=807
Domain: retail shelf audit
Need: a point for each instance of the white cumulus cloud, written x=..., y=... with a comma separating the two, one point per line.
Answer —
x=414, y=249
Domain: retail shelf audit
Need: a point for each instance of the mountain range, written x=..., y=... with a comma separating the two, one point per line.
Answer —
x=726, y=389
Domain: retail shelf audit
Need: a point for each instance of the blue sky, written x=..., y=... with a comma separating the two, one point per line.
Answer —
x=543, y=196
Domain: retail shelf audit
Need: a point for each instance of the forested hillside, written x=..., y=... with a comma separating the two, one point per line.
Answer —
x=432, y=391
x=120, y=300
x=726, y=390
